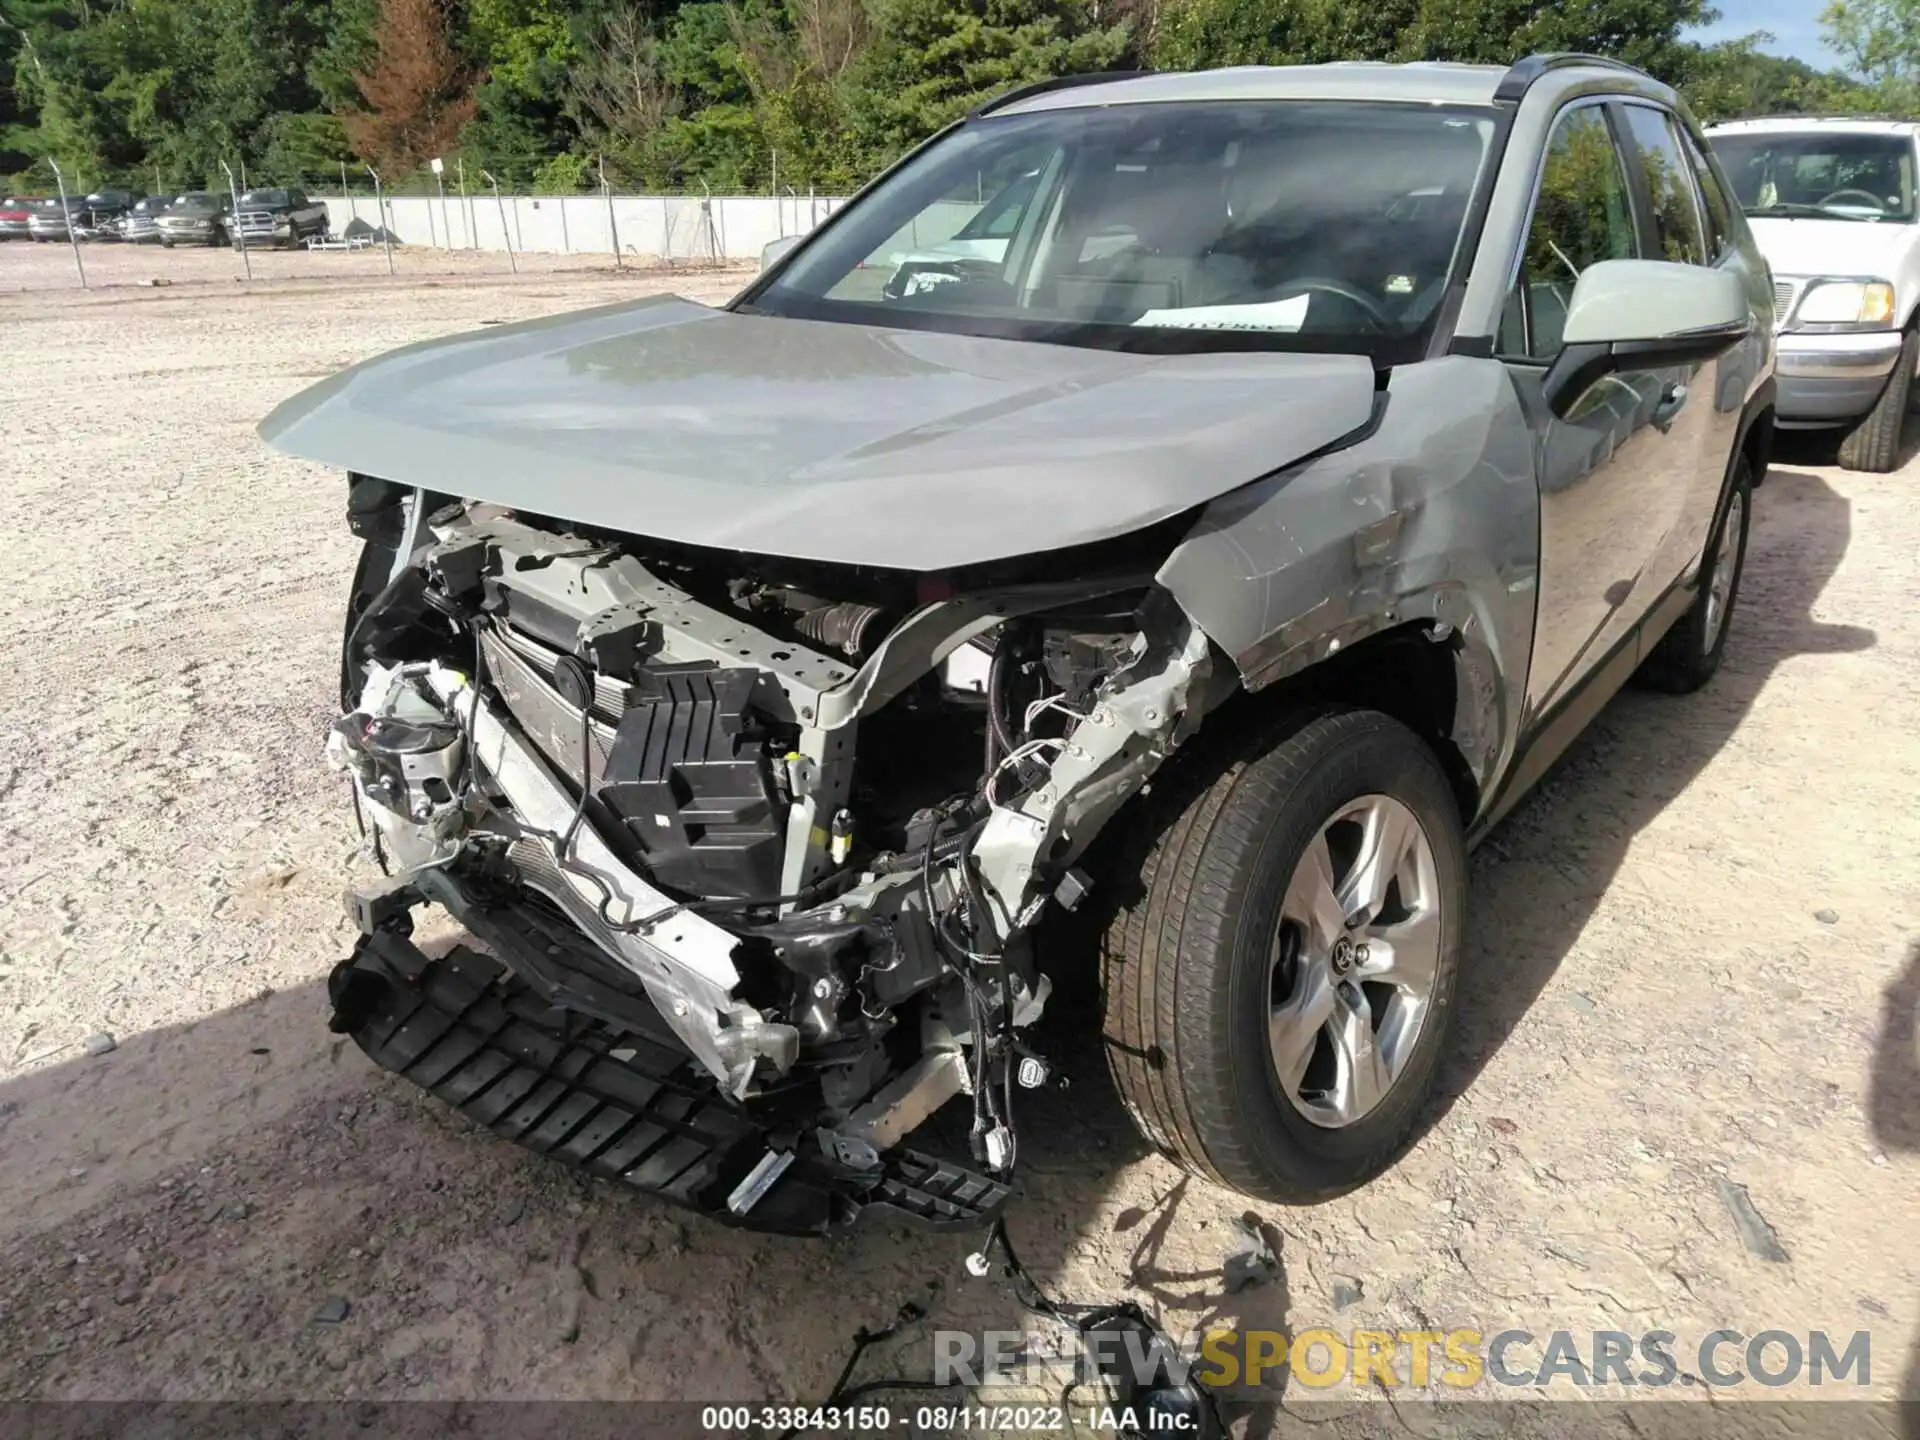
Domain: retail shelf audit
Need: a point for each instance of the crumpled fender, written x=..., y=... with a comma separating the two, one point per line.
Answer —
x=1432, y=515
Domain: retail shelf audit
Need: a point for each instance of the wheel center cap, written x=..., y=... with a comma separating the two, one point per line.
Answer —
x=1343, y=955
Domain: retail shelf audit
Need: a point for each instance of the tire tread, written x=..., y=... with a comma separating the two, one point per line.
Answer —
x=1173, y=941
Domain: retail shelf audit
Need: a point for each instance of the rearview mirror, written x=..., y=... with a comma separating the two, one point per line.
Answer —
x=771, y=252
x=1644, y=315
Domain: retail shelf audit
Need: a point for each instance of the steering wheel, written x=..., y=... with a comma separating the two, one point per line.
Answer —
x=1866, y=195
x=1352, y=294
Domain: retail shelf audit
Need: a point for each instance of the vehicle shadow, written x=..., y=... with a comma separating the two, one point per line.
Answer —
x=184, y=1210
x=1893, y=1116
x=1537, y=878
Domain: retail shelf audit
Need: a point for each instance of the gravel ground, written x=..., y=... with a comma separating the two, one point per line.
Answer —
x=1694, y=965
x=29, y=267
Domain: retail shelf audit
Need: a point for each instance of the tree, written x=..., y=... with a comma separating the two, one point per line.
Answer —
x=1879, y=38
x=935, y=59
x=621, y=87
x=1203, y=33
x=418, y=93
x=1735, y=79
x=529, y=50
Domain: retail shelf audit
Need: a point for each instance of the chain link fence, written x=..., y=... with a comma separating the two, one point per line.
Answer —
x=463, y=219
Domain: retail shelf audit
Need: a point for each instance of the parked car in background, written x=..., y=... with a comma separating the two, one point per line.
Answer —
x=278, y=216
x=197, y=217
x=141, y=224
x=98, y=216
x=1397, y=417
x=53, y=219
x=15, y=212
x=1833, y=204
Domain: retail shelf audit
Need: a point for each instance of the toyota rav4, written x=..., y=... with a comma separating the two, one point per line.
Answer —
x=1216, y=558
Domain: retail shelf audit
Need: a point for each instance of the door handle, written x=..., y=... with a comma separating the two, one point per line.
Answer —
x=1672, y=397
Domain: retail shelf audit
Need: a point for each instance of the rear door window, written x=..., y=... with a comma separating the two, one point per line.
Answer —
x=1675, y=206
x=1718, y=207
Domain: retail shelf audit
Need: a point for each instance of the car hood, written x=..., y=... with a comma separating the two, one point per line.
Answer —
x=821, y=441
x=1804, y=246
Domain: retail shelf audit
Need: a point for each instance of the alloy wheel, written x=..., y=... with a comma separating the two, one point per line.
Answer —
x=1355, y=961
x=1726, y=566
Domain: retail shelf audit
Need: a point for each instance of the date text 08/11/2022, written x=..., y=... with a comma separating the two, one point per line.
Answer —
x=869, y=1419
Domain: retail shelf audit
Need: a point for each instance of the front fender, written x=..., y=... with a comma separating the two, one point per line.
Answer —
x=1433, y=516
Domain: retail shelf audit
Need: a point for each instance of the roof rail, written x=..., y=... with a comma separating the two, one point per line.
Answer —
x=1514, y=84
x=1042, y=87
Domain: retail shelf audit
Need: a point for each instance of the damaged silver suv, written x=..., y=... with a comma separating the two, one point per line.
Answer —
x=1217, y=554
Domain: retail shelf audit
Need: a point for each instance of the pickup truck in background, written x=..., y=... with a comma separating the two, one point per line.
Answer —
x=278, y=216
x=1832, y=203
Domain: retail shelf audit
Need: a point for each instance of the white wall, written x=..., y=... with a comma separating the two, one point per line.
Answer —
x=674, y=227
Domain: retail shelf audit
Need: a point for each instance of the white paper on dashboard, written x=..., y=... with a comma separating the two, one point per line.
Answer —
x=1288, y=314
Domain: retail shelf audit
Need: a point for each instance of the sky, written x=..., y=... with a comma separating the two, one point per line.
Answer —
x=1795, y=25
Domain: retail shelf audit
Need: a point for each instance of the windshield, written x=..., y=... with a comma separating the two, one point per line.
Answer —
x=264, y=197
x=195, y=201
x=1829, y=174
x=1275, y=224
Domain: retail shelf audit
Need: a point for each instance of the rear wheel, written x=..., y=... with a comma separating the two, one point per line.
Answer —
x=1278, y=992
x=1689, y=653
x=1874, y=444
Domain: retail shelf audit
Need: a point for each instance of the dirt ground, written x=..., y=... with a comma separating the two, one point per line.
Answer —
x=1694, y=963
x=25, y=266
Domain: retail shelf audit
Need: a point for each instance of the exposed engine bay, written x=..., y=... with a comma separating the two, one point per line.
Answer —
x=756, y=848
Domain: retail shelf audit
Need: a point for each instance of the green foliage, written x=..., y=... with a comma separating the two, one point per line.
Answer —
x=1203, y=34
x=305, y=145
x=676, y=93
x=934, y=59
x=1735, y=80
x=1881, y=38
x=563, y=174
x=1198, y=34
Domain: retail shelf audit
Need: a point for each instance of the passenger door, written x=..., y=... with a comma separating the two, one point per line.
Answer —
x=1608, y=472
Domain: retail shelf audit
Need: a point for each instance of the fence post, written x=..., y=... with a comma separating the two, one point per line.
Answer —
x=505, y=235
x=72, y=239
x=380, y=209
x=466, y=205
x=613, y=229
x=246, y=255
x=440, y=184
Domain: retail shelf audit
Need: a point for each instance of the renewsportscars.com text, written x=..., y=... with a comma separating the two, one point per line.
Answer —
x=1457, y=1359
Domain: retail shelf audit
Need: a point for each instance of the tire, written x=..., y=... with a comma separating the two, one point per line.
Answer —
x=1190, y=962
x=1874, y=444
x=1689, y=653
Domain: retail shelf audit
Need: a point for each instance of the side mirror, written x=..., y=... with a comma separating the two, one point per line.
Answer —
x=1643, y=315
x=773, y=250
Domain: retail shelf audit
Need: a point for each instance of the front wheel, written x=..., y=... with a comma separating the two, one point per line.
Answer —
x=1278, y=991
x=1874, y=444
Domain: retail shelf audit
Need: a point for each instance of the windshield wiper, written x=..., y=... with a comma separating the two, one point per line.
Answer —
x=1816, y=211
